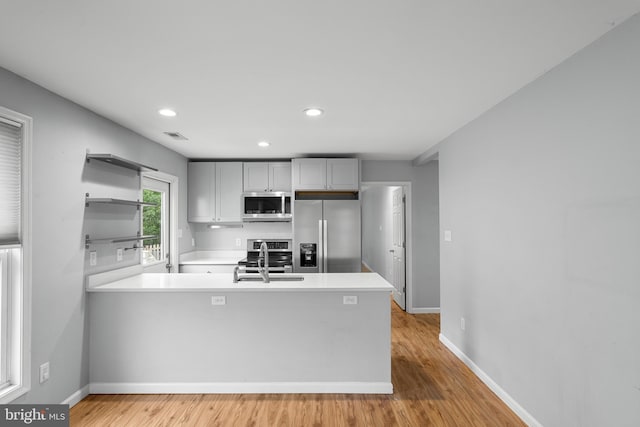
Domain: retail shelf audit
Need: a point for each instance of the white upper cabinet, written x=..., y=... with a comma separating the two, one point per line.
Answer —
x=228, y=191
x=202, y=188
x=325, y=174
x=342, y=174
x=267, y=176
x=215, y=190
x=309, y=174
x=280, y=176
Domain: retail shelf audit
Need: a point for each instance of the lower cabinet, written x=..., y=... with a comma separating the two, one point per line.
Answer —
x=207, y=268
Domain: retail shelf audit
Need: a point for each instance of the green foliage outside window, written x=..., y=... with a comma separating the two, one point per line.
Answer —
x=151, y=216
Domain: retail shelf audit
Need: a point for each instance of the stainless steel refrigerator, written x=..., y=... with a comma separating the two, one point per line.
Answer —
x=326, y=236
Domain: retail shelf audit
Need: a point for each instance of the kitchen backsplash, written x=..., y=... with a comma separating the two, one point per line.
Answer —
x=226, y=238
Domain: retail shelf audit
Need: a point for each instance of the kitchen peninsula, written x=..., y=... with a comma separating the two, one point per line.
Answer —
x=202, y=333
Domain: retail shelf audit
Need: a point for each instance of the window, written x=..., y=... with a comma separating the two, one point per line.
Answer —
x=15, y=278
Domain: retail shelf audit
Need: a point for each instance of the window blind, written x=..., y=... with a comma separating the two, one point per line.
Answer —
x=10, y=181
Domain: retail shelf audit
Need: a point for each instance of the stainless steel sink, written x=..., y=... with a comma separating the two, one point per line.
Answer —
x=287, y=279
x=271, y=278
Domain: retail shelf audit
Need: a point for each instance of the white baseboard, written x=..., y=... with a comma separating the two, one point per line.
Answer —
x=244, y=388
x=503, y=395
x=424, y=310
x=76, y=397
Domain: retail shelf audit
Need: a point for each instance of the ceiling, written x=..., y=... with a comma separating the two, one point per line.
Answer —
x=394, y=77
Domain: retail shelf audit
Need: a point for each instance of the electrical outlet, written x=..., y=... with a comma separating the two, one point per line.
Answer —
x=193, y=242
x=93, y=258
x=44, y=372
x=238, y=242
x=119, y=254
x=350, y=299
x=179, y=233
x=462, y=323
x=218, y=300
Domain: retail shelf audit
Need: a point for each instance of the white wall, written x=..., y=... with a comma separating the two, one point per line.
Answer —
x=542, y=195
x=377, y=228
x=425, y=266
x=62, y=132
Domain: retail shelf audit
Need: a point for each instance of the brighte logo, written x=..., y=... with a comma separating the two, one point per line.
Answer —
x=26, y=417
x=34, y=415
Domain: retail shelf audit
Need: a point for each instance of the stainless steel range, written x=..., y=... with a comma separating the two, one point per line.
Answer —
x=280, y=255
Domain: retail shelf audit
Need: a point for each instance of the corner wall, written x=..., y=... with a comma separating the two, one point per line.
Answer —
x=377, y=228
x=62, y=132
x=542, y=195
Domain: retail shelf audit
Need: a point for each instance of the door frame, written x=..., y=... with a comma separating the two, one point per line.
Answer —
x=406, y=185
x=173, y=213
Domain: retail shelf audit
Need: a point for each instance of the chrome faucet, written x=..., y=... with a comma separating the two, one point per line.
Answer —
x=264, y=257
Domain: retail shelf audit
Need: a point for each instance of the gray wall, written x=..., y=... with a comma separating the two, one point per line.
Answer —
x=424, y=216
x=377, y=228
x=542, y=195
x=62, y=132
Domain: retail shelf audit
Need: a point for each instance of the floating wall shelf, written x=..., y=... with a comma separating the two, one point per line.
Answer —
x=119, y=161
x=89, y=241
x=108, y=200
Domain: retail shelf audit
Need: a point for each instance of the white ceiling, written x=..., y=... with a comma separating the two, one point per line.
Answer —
x=395, y=77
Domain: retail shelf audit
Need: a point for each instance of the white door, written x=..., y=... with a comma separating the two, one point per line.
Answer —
x=155, y=221
x=398, y=249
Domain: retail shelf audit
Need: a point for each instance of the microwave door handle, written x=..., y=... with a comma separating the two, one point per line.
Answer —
x=325, y=247
x=320, y=251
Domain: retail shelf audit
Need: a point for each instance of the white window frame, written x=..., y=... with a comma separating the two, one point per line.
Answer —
x=18, y=260
x=173, y=182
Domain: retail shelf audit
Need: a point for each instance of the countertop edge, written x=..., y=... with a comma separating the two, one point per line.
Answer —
x=236, y=290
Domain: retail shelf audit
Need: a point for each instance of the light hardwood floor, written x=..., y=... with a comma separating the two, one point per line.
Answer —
x=431, y=388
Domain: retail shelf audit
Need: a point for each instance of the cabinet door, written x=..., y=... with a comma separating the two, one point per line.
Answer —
x=342, y=174
x=256, y=176
x=309, y=174
x=280, y=176
x=201, y=191
x=228, y=191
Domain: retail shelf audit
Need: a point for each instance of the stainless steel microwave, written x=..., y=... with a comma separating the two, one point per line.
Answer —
x=274, y=206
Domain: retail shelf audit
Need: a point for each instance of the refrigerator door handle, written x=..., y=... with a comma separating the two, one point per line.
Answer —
x=325, y=249
x=320, y=253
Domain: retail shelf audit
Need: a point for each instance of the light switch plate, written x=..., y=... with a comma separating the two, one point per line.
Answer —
x=44, y=372
x=119, y=254
x=93, y=258
x=447, y=235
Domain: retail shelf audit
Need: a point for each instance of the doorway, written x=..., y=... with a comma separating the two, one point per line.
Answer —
x=386, y=242
x=158, y=220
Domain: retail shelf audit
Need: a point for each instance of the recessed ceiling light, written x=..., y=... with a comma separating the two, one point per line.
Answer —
x=167, y=112
x=313, y=112
x=263, y=144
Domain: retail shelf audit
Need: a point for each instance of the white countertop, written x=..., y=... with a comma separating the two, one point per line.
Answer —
x=212, y=257
x=316, y=282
